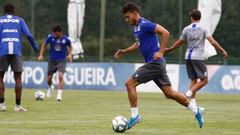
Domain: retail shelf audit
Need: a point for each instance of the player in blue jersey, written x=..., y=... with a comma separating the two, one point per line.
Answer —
x=195, y=35
x=146, y=35
x=11, y=30
x=60, y=52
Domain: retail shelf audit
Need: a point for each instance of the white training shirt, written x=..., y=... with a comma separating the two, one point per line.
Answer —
x=195, y=35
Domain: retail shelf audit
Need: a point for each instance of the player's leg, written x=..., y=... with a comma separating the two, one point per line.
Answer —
x=193, y=82
x=61, y=70
x=164, y=84
x=17, y=68
x=183, y=100
x=142, y=75
x=2, y=90
x=50, y=85
x=3, y=68
x=18, y=86
x=50, y=76
x=52, y=68
x=197, y=69
x=199, y=85
x=132, y=97
x=132, y=93
x=196, y=87
x=60, y=86
x=174, y=95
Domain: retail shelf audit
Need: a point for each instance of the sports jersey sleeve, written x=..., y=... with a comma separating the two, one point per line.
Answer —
x=68, y=42
x=149, y=26
x=25, y=29
x=26, y=32
x=207, y=33
x=183, y=36
x=48, y=39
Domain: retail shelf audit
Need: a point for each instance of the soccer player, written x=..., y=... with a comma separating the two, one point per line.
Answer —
x=194, y=35
x=11, y=30
x=60, y=52
x=146, y=35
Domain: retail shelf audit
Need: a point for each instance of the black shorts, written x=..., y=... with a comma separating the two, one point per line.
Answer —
x=14, y=61
x=152, y=71
x=54, y=66
x=196, y=69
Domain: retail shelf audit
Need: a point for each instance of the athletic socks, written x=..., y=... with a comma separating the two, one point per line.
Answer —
x=59, y=92
x=189, y=93
x=193, y=100
x=192, y=107
x=134, y=112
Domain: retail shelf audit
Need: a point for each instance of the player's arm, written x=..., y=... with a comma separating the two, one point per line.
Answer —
x=164, y=35
x=121, y=52
x=40, y=57
x=69, y=56
x=217, y=46
x=29, y=36
x=177, y=44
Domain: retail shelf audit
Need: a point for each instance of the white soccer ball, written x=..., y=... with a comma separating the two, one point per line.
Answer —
x=119, y=124
x=39, y=95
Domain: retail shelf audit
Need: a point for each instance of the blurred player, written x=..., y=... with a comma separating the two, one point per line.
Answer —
x=146, y=35
x=11, y=30
x=60, y=51
x=194, y=35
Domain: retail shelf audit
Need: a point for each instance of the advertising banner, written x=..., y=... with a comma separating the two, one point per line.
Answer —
x=221, y=79
x=78, y=76
x=112, y=76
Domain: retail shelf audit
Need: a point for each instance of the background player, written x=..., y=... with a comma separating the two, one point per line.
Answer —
x=60, y=50
x=146, y=35
x=194, y=35
x=11, y=30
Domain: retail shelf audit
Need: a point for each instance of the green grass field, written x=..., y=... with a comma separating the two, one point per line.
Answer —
x=91, y=113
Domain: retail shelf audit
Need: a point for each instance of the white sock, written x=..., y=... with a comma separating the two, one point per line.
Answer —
x=51, y=87
x=192, y=107
x=189, y=93
x=59, y=91
x=193, y=100
x=134, y=112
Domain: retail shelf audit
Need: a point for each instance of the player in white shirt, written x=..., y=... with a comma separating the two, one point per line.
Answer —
x=194, y=35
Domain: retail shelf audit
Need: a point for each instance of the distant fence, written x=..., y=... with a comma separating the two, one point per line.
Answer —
x=112, y=76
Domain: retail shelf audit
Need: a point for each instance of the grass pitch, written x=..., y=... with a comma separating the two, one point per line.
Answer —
x=91, y=113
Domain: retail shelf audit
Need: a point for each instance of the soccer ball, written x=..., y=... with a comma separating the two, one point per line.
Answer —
x=39, y=95
x=119, y=124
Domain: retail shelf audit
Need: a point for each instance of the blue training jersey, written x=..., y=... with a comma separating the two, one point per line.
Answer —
x=58, y=47
x=11, y=29
x=147, y=39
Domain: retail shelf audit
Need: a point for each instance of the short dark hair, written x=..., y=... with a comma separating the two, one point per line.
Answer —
x=130, y=7
x=195, y=14
x=57, y=28
x=8, y=8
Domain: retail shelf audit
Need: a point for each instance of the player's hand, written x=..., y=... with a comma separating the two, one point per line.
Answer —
x=119, y=53
x=69, y=58
x=225, y=55
x=40, y=58
x=158, y=55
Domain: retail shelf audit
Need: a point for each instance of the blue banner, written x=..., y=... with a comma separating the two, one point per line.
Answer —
x=79, y=76
x=221, y=79
x=112, y=76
